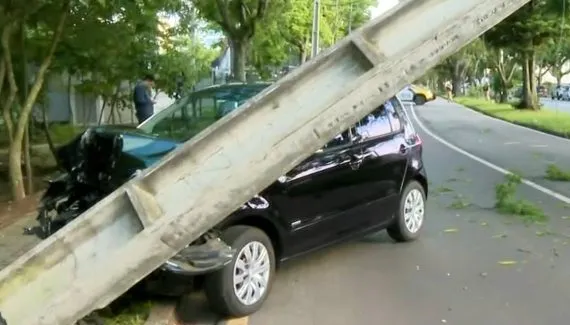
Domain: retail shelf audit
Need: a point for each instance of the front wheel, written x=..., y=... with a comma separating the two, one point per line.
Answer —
x=411, y=214
x=241, y=287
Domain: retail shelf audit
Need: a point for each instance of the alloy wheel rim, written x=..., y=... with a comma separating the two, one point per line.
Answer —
x=414, y=211
x=251, y=273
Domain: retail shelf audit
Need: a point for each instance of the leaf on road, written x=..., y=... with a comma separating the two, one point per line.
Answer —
x=450, y=230
x=540, y=233
x=565, y=217
x=507, y=262
x=483, y=223
x=500, y=236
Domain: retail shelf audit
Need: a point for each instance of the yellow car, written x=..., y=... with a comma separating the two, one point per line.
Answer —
x=422, y=95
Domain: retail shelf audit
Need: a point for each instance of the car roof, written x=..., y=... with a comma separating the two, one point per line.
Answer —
x=232, y=85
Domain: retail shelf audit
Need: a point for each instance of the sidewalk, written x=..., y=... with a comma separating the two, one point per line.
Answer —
x=13, y=242
x=14, y=217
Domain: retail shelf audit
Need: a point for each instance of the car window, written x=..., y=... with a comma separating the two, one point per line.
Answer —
x=341, y=140
x=394, y=108
x=189, y=118
x=382, y=121
x=192, y=114
x=377, y=123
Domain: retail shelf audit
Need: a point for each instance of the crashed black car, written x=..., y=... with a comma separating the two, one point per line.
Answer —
x=368, y=178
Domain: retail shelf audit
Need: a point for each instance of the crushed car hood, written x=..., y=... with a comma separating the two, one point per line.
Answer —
x=121, y=151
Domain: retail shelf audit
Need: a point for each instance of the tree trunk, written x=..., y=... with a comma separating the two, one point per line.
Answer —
x=102, y=111
x=504, y=93
x=15, y=152
x=529, y=98
x=457, y=78
x=239, y=55
x=24, y=92
x=302, y=54
x=69, y=101
x=13, y=87
x=28, y=162
x=49, y=140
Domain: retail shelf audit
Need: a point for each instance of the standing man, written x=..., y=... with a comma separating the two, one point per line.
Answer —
x=449, y=90
x=144, y=104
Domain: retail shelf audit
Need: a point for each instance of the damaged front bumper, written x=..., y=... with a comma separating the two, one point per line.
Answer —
x=207, y=257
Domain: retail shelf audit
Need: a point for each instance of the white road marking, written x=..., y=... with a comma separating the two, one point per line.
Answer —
x=539, y=145
x=502, y=170
x=510, y=143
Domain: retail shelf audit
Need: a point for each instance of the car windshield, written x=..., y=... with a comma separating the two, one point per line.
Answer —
x=195, y=112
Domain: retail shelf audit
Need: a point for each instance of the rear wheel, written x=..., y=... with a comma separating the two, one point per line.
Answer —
x=411, y=214
x=241, y=287
x=420, y=99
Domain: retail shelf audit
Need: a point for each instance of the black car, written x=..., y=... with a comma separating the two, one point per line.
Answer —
x=368, y=178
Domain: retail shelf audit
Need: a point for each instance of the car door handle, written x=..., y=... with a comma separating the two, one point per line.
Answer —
x=357, y=159
x=355, y=164
x=404, y=149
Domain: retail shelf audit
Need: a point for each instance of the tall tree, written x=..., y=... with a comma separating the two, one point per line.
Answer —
x=468, y=59
x=109, y=41
x=505, y=65
x=524, y=32
x=288, y=31
x=556, y=56
x=238, y=19
x=182, y=64
x=15, y=16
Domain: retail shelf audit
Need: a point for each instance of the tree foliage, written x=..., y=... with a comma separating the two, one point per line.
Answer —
x=106, y=42
x=533, y=26
x=238, y=19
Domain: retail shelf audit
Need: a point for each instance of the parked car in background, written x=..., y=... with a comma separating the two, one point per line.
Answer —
x=422, y=94
x=368, y=178
x=416, y=94
x=406, y=95
x=542, y=91
x=561, y=92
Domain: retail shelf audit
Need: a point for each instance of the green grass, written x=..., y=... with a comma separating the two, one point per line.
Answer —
x=554, y=173
x=550, y=121
x=507, y=203
x=133, y=314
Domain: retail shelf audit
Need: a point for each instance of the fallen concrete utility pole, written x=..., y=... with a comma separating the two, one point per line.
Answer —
x=134, y=230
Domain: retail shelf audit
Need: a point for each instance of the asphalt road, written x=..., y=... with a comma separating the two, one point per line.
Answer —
x=455, y=274
x=561, y=105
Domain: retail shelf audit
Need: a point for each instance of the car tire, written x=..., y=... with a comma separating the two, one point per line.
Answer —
x=420, y=99
x=408, y=224
x=221, y=288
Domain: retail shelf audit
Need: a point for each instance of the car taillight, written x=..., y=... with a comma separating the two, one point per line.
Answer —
x=418, y=140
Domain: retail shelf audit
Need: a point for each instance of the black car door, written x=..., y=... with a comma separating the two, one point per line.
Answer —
x=311, y=196
x=382, y=159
